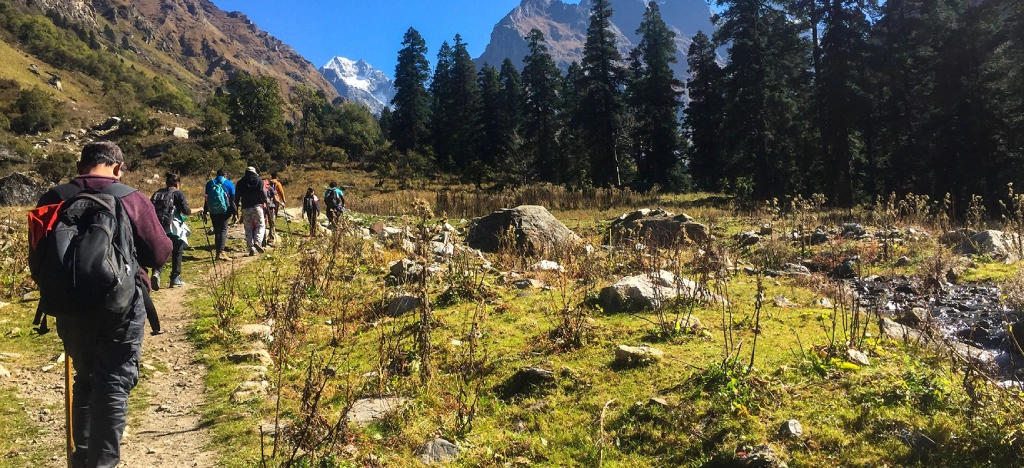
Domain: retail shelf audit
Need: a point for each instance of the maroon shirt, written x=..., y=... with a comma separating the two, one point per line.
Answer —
x=152, y=245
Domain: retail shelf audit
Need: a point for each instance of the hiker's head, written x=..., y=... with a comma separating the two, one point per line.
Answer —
x=101, y=158
x=309, y=191
x=251, y=170
x=273, y=175
x=172, y=180
x=334, y=184
x=222, y=173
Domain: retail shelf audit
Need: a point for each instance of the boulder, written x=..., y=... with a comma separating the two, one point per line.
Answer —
x=108, y=124
x=637, y=355
x=365, y=411
x=533, y=229
x=848, y=269
x=402, y=304
x=635, y=293
x=9, y=156
x=546, y=265
x=528, y=283
x=915, y=317
x=852, y=230
x=405, y=270
x=795, y=269
x=956, y=237
x=21, y=189
x=179, y=132
x=747, y=238
x=526, y=381
x=658, y=228
x=437, y=451
x=995, y=244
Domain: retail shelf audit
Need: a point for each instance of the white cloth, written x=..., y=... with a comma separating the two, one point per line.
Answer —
x=179, y=230
x=255, y=225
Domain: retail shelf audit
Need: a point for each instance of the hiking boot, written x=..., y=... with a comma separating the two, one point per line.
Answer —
x=259, y=248
x=223, y=256
x=158, y=332
x=177, y=282
x=154, y=281
x=252, y=251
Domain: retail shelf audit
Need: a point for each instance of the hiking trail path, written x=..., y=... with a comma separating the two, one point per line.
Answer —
x=169, y=433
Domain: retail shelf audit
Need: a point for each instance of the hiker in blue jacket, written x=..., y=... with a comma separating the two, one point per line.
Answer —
x=220, y=204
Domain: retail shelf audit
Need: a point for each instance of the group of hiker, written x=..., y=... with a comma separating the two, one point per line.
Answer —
x=91, y=243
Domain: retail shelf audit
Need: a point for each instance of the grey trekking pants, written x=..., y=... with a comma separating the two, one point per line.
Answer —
x=105, y=353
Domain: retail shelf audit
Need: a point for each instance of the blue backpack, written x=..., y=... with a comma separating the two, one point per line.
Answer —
x=217, y=198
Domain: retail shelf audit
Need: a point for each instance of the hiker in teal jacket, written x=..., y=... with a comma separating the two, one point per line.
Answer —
x=222, y=208
x=334, y=203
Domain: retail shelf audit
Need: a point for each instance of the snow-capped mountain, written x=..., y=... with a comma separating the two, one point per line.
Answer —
x=360, y=82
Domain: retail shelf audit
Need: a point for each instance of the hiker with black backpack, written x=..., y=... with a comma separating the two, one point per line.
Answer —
x=250, y=195
x=334, y=203
x=89, y=240
x=220, y=205
x=275, y=201
x=171, y=207
x=311, y=210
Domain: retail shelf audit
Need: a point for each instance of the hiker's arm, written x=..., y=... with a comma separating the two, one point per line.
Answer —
x=182, y=204
x=151, y=242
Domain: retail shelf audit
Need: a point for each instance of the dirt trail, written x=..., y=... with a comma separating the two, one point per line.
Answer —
x=169, y=433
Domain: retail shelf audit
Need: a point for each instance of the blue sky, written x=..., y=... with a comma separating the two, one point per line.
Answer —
x=372, y=29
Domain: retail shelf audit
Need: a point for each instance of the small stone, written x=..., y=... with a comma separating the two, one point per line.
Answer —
x=367, y=410
x=528, y=284
x=255, y=331
x=781, y=301
x=791, y=429
x=150, y=451
x=546, y=265
x=258, y=356
x=4, y=373
x=14, y=332
x=637, y=355
x=824, y=303
x=9, y=357
x=902, y=262
x=661, y=402
x=148, y=367
x=857, y=357
x=48, y=368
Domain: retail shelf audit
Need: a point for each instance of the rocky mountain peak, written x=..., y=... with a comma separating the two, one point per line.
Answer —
x=359, y=81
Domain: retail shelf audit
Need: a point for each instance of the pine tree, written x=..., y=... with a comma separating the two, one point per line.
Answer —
x=385, y=121
x=702, y=121
x=574, y=165
x=654, y=98
x=541, y=80
x=411, y=101
x=442, y=108
x=602, y=102
x=842, y=100
x=491, y=143
x=766, y=78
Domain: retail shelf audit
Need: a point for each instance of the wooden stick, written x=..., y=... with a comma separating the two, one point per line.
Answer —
x=68, y=400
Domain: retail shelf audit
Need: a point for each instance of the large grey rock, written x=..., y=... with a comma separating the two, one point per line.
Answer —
x=533, y=228
x=658, y=228
x=635, y=293
x=761, y=456
x=995, y=244
x=791, y=429
x=365, y=411
x=437, y=451
x=21, y=189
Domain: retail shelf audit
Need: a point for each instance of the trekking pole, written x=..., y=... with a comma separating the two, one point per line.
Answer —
x=209, y=246
x=68, y=400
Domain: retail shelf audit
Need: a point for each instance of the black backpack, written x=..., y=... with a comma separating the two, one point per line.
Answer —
x=309, y=204
x=85, y=263
x=163, y=203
